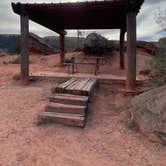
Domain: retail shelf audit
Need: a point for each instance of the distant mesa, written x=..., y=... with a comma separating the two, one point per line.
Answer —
x=37, y=44
x=10, y=44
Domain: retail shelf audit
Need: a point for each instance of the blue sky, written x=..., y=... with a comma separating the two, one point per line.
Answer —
x=147, y=29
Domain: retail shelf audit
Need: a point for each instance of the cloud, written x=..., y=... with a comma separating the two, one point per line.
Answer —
x=147, y=29
x=146, y=26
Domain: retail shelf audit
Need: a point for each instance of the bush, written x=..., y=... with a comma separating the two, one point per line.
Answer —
x=17, y=60
x=16, y=77
x=159, y=66
x=2, y=53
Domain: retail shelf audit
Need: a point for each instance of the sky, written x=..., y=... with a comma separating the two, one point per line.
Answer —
x=147, y=29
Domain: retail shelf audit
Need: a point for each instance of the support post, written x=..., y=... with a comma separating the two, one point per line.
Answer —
x=122, y=35
x=62, y=49
x=131, y=51
x=24, y=48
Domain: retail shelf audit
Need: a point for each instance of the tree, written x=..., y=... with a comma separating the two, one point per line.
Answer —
x=160, y=18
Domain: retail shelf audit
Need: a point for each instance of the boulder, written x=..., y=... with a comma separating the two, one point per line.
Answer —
x=150, y=112
x=95, y=44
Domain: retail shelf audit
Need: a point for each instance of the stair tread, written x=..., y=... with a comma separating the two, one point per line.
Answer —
x=61, y=105
x=69, y=97
x=69, y=106
x=65, y=115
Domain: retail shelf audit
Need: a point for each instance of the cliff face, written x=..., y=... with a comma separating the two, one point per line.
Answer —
x=149, y=47
x=11, y=44
x=50, y=44
x=47, y=45
x=39, y=45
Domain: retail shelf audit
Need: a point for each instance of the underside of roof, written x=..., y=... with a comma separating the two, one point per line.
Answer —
x=79, y=15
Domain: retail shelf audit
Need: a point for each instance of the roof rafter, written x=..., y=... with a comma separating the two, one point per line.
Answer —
x=79, y=15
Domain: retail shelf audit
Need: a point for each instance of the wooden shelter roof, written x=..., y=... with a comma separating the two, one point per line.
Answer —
x=79, y=15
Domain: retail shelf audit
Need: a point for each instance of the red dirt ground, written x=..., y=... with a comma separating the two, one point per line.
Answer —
x=105, y=141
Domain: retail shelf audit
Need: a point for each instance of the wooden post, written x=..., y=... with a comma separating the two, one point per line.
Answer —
x=122, y=62
x=62, y=49
x=131, y=51
x=24, y=48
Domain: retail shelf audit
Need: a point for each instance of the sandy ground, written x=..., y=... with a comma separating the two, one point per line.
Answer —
x=105, y=141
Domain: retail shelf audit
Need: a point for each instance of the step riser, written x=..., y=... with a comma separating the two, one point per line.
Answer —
x=65, y=101
x=65, y=110
x=61, y=120
x=74, y=92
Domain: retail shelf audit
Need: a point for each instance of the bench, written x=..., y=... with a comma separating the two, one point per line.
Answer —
x=73, y=64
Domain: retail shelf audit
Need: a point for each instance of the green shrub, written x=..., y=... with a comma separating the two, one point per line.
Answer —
x=16, y=76
x=158, y=65
x=17, y=60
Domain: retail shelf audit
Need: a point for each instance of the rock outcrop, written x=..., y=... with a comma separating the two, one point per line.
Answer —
x=95, y=44
x=10, y=44
x=38, y=44
x=150, y=113
x=148, y=47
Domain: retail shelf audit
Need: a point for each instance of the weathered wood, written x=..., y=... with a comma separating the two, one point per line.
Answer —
x=24, y=48
x=78, y=84
x=60, y=88
x=77, y=87
x=72, y=85
x=62, y=118
x=62, y=49
x=83, y=83
x=65, y=108
x=122, y=35
x=69, y=99
x=67, y=83
x=90, y=84
x=131, y=51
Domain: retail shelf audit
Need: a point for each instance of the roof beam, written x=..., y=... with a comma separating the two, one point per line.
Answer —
x=79, y=15
x=21, y=9
x=61, y=32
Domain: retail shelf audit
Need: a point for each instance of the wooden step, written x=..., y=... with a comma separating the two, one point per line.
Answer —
x=69, y=99
x=63, y=118
x=71, y=91
x=79, y=86
x=65, y=108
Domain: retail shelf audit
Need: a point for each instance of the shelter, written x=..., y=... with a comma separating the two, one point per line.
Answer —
x=115, y=14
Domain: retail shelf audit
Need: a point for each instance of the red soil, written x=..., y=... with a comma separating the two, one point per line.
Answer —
x=105, y=141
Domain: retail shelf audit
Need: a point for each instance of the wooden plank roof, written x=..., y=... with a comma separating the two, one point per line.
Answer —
x=79, y=15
